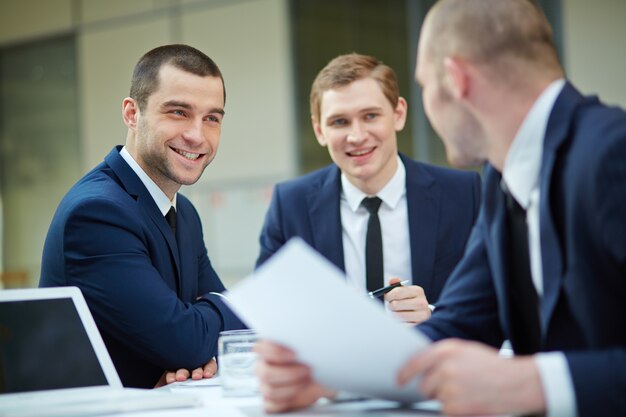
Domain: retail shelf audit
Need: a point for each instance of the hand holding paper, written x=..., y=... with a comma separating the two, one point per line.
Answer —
x=300, y=300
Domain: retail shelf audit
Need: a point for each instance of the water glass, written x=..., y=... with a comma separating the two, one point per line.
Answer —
x=237, y=363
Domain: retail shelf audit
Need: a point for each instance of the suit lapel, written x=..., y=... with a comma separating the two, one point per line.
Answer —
x=323, y=203
x=135, y=188
x=423, y=201
x=495, y=211
x=552, y=256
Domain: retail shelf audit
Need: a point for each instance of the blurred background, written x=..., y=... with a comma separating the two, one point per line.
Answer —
x=65, y=67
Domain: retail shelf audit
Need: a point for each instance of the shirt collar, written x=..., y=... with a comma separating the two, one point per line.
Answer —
x=157, y=194
x=390, y=194
x=520, y=174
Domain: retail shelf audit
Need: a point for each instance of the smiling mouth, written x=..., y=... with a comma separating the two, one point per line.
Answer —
x=189, y=155
x=361, y=152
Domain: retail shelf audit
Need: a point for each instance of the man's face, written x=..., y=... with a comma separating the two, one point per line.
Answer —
x=459, y=130
x=178, y=132
x=358, y=125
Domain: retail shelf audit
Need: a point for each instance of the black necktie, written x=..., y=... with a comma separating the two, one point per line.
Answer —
x=373, y=245
x=171, y=219
x=525, y=328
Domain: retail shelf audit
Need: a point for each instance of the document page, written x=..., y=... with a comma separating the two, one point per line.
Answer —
x=301, y=300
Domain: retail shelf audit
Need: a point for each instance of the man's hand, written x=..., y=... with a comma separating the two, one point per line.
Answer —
x=285, y=383
x=470, y=378
x=207, y=371
x=408, y=302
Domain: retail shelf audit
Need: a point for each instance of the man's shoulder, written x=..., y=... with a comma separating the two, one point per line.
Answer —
x=97, y=187
x=596, y=135
x=607, y=122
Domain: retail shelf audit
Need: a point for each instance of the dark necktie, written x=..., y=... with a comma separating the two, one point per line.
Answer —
x=524, y=313
x=171, y=219
x=373, y=245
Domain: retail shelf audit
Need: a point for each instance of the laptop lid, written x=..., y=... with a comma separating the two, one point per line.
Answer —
x=49, y=340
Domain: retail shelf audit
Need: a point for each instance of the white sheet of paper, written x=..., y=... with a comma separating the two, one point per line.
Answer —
x=301, y=300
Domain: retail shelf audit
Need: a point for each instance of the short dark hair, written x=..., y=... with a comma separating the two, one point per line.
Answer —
x=145, y=79
x=346, y=69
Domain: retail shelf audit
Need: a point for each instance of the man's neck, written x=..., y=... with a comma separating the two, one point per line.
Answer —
x=505, y=125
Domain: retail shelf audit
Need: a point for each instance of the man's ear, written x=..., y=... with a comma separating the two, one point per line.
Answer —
x=400, y=114
x=317, y=128
x=458, y=76
x=130, y=112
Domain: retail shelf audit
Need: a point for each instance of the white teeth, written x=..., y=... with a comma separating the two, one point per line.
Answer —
x=189, y=155
x=361, y=152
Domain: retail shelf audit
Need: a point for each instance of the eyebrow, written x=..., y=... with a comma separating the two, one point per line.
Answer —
x=184, y=105
x=365, y=110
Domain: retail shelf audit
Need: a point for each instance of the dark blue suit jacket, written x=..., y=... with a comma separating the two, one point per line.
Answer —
x=442, y=206
x=109, y=238
x=583, y=243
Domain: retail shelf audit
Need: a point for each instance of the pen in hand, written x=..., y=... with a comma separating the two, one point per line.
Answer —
x=384, y=290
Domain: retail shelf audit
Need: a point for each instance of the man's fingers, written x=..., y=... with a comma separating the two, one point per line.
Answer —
x=274, y=353
x=413, y=317
x=412, y=304
x=210, y=369
x=431, y=357
x=282, y=375
x=405, y=292
x=182, y=375
x=409, y=303
x=170, y=377
x=303, y=396
x=419, y=363
x=275, y=406
x=197, y=373
x=410, y=369
x=278, y=392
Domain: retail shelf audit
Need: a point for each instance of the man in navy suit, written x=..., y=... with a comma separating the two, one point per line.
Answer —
x=426, y=213
x=148, y=281
x=554, y=283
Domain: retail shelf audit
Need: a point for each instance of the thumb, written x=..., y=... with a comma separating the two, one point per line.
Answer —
x=394, y=280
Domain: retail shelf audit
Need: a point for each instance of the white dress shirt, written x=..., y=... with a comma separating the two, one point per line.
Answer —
x=394, y=224
x=157, y=194
x=521, y=177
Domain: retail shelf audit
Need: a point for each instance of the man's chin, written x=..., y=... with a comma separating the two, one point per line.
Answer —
x=187, y=179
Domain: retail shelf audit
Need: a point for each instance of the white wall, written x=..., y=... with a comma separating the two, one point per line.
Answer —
x=595, y=47
x=249, y=41
x=257, y=146
x=28, y=19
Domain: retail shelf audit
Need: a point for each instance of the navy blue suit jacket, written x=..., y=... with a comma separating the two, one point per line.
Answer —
x=109, y=238
x=583, y=244
x=442, y=206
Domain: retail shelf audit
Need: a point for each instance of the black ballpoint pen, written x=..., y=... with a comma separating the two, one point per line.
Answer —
x=384, y=290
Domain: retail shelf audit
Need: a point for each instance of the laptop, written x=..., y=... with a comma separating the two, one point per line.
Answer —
x=53, y=361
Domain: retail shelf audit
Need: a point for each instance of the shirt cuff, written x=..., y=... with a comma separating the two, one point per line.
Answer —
x=557, y=384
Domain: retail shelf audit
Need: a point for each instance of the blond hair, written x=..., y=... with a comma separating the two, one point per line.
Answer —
x=344, y=70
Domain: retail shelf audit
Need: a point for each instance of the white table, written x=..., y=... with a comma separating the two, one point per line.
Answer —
x=216, y=405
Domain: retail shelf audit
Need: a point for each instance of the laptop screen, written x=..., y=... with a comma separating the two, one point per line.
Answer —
x=44, y=344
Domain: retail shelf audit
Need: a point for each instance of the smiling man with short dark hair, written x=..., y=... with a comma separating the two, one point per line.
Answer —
x=131, y=243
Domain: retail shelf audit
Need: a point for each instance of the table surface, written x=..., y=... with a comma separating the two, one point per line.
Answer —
x=214, y=403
